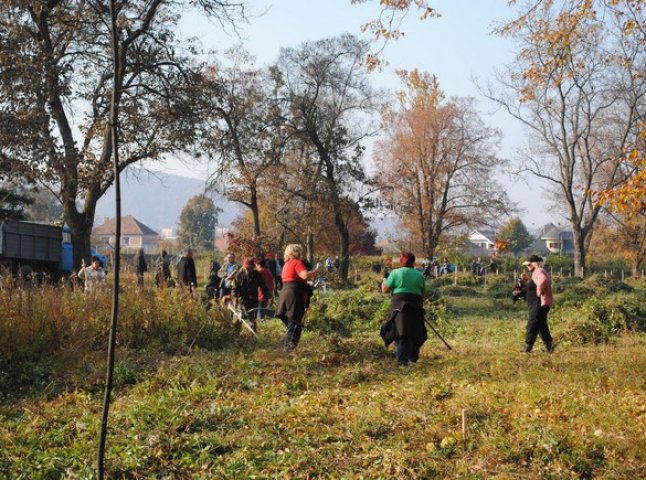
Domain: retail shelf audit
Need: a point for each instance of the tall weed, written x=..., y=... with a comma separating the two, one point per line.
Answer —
x=48, y=325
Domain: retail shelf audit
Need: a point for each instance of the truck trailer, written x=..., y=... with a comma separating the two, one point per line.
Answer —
x=31, y=248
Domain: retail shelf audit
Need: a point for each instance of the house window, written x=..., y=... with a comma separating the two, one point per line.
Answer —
x=125, y=240
x=553, y=245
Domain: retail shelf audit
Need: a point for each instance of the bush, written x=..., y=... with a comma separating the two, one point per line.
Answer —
x=39, y=325
x=348, y=312
x=598, y=320
x=500, y=286
x=562, y=284
x=576, y=291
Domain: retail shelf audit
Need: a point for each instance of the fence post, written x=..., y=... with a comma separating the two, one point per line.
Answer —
x=622, y=275
x=455, y=275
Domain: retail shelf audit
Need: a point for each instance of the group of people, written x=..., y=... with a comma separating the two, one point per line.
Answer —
x=479, y=268
x=331, y=265
x=253, y=285
x=432, y=268
x=405, y=324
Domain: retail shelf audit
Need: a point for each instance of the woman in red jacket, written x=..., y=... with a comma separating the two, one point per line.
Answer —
x=294, y=296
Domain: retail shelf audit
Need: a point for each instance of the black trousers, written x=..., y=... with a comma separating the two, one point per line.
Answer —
x=537, y=325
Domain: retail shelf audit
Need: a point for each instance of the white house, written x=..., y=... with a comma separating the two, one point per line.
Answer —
x=485, y=239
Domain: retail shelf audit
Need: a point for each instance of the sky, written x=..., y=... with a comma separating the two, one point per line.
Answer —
x=459, y=48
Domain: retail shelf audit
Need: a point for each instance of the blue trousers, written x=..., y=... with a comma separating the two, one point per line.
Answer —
x=406, y=350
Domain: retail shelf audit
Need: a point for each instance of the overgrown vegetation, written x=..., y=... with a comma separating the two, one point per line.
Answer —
x=196, y=398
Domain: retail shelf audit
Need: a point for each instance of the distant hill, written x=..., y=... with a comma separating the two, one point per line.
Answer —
x=158, y=199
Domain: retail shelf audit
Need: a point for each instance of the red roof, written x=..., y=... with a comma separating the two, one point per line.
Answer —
x=129, y=226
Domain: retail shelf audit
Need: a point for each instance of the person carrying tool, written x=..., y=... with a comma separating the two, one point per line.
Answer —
x=405, y=324
x=246, y=283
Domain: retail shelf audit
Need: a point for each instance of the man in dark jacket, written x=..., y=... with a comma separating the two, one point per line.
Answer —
x=186, y=275
x=213, y=285
x=142, y=266
x=245, y=285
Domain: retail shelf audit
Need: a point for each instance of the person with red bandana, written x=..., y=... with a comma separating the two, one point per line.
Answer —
x=405, y=324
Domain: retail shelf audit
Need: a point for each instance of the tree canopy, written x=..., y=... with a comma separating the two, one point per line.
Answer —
x=515, y=235
x=56, y=89
x=437, y=163
x=577, y=85
x=197, y=223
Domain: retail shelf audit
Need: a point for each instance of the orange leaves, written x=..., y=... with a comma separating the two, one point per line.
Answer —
x=629, y=198
x=501, y=246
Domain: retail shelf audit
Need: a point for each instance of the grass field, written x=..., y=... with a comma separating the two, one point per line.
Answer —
x=341, y=407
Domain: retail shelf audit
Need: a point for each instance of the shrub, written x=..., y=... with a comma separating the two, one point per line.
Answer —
x=578, y=291
x=597, y=320
x=500, y=286
x=47, y=324
x=348, y=312
x=562, y=284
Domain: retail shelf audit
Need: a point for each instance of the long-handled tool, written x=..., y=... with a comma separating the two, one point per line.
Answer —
x=238, y=313
x=437, y=334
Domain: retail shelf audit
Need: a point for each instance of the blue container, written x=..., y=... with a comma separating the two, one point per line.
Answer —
x=66, y=265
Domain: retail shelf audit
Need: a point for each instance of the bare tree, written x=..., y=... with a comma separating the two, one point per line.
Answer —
x=578, y=88
x=327, y=97
x=242, y=129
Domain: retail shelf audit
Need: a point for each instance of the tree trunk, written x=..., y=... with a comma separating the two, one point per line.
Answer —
x=81, y=229
x=579, y=251
x=253, y=206
x=344, y=237
x=310, y=249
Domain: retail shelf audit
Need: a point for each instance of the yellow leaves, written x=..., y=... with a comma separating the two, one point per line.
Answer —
x=629, y=198
x=423, y=90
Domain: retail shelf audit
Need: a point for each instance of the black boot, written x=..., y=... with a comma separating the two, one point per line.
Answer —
x=527, y=348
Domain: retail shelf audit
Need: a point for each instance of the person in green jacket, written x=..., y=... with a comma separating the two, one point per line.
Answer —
x=405, y=324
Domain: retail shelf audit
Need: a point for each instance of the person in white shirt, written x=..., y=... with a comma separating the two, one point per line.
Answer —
x=93, y=276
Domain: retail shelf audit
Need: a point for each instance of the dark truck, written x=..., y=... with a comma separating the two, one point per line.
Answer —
x=30, y=248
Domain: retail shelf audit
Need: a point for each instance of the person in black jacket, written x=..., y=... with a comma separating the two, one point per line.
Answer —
x=245, y=285
x=213, y=285
x=142, y=266
x=186, y=275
